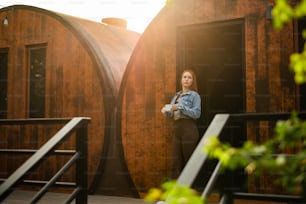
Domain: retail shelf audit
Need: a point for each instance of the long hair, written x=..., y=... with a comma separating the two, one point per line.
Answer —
x=194, y=85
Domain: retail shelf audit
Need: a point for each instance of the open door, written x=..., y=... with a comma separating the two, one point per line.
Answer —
x=216, y=52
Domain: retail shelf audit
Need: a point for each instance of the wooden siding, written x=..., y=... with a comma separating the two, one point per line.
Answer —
x=32, y=137
x=84, y=65
x=151, y=78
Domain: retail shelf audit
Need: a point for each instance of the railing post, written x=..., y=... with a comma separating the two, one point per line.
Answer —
x=227, y=198
x=198, y=158
x=81, y=165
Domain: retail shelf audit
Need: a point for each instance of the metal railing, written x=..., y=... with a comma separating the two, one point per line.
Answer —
x=198, y=158
x=77, y=125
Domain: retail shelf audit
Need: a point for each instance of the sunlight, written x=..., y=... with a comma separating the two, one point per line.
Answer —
x=138, y=13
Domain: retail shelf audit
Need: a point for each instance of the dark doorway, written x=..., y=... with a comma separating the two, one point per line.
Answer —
x=216, y=52
x=3, y=82
x=37, y=80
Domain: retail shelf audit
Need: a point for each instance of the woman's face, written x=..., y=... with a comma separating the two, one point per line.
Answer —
x=187, y=80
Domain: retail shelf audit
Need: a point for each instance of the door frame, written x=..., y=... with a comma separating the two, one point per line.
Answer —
x=182, y=60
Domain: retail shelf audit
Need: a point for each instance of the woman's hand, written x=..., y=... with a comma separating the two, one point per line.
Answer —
x=174, y=107
x=167, y=108
x=163, y=110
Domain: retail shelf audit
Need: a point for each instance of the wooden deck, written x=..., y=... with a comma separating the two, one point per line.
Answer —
x=20, y=196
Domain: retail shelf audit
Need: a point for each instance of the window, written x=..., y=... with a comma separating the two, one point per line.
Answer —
x=37, y=81
x=3, y=82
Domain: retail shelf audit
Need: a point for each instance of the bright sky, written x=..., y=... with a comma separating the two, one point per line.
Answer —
x=138, y=13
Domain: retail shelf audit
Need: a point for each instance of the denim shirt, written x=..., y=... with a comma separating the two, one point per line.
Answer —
x=189, y=104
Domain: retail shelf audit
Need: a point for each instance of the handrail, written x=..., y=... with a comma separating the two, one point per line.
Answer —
x=28, y=121
x=31, y=151
x=198, y=157
x=215, y=128
x=54, y=178
x=78, y=125
x=269, y=197
x=211, y=182
x=40, y=182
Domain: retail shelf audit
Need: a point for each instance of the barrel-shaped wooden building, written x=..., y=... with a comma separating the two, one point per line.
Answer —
x=240, y=60
x=59, y=66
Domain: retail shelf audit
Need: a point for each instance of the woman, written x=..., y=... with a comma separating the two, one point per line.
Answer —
x=184, y=108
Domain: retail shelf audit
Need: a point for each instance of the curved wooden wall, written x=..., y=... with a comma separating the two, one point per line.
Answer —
x=85, y=63
x=150, y=78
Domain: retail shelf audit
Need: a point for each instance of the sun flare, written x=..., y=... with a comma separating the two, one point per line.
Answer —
x=138, y=14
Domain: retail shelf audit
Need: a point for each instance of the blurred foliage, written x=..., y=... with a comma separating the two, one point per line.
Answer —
x=258, y=158
x=283, y=13
x=172, y=193
x=270, y=156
